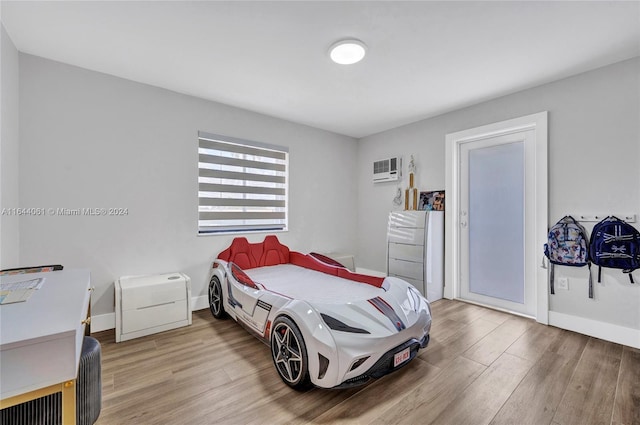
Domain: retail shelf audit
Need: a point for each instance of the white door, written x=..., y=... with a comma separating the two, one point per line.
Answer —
x=496, y=215
x=493, y=203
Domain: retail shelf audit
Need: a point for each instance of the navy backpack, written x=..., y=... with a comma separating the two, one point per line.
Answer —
x=615, y=244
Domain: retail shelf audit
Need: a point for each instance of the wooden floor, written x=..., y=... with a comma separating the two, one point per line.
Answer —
x=481, y=367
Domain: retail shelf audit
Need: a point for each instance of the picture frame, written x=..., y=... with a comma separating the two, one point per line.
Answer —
x=432, y=201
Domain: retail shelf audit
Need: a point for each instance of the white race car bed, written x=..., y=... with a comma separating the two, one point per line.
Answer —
x=326, y=325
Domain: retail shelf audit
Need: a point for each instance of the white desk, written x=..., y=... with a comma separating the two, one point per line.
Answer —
x=41, y=340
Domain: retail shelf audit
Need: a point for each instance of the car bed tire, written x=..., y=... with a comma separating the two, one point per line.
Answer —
x=294, y=347
x=216, y=299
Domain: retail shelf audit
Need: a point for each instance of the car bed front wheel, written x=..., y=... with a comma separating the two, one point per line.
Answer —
x=216, y=304
x=289, y=354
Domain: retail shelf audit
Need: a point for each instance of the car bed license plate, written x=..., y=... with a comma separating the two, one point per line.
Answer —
x=401, y=357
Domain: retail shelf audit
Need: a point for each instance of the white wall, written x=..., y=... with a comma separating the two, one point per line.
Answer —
x=594, y=152
x=92, y=140
x=9, y=124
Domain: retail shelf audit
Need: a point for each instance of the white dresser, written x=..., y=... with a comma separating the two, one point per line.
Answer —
x=415, y=250
x=150, y=304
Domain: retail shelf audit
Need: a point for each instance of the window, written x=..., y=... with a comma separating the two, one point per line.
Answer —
x=242, y=185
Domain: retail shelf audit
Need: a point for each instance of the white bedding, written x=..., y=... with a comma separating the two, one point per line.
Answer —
x=305, y=284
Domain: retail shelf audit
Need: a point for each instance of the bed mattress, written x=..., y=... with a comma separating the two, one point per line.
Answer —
x=310, y=285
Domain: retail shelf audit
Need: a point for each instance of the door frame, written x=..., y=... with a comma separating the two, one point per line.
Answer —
x=538, y=123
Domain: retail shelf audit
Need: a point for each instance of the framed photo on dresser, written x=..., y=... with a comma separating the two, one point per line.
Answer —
x=432, y=201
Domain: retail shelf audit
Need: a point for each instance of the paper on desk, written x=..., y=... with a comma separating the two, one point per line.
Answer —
x=14, y=292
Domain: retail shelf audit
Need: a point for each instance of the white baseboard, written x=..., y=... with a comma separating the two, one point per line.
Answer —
x=607, y=331
x=199, y=303
x=103, y=322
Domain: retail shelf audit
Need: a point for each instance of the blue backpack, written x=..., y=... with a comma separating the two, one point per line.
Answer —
x=615, y=244
x=568, y=245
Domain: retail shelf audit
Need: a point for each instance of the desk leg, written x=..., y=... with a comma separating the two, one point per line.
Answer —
x=69, y=403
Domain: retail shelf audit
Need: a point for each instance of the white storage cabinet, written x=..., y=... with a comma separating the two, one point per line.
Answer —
x=415, y=250
x=151, y=304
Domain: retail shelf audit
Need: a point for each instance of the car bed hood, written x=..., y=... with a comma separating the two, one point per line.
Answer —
x=389, y=312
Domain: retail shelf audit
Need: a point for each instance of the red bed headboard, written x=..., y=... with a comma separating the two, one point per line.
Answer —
x=271, y=252
x=249, y=255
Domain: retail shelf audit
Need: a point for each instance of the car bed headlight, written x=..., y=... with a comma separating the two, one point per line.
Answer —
x=337, y=325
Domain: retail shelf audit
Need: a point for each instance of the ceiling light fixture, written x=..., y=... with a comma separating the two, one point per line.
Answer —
x=347, y=52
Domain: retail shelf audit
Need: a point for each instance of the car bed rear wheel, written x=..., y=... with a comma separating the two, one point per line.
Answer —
x=289, y=354
x=216, y=301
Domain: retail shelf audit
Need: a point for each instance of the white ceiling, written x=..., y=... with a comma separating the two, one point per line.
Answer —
x=424, y=58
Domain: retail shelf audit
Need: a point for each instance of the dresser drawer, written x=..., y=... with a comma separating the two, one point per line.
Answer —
x=411, y=219
x=406, y=252
x=408, y=269
x=150, y=304
x=406, y=235
x=162, y=292
x=149, y=317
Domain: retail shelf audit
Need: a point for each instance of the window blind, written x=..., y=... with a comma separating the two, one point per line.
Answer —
x=242, y=185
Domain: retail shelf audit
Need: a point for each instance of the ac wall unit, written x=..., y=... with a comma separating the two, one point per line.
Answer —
x=387, y=170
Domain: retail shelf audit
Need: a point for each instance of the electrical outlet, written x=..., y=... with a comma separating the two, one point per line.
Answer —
x=563, y=283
